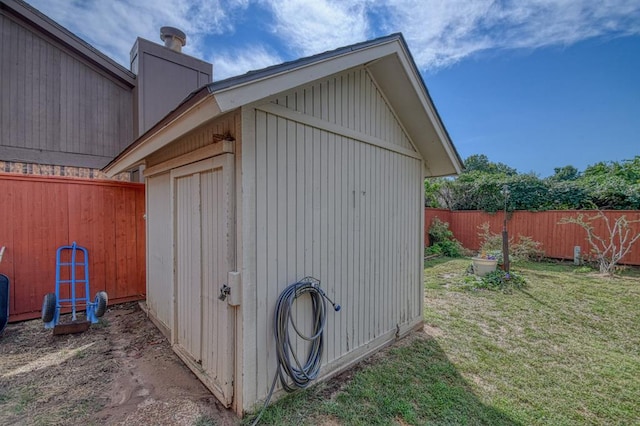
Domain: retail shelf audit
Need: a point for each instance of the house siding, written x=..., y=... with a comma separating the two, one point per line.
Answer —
x=164, y=79
x=57, y=108
x=329, y=206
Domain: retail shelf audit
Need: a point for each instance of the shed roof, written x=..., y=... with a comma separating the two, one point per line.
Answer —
x=387, y=59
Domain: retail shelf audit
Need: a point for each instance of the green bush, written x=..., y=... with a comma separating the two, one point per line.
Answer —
x=527, y=192
x=446, y=248
x=442, y=241
x=567, y=195
x=605, y=185
x=497, y=280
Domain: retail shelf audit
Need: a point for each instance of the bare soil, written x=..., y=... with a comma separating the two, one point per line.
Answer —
x=121, y=371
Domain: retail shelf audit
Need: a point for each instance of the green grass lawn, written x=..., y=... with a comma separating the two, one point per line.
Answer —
x=563, y=351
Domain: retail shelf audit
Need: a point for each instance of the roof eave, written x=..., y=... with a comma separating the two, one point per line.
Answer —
x=253, y=87
x=404, y=88
x=390, y=63
x=434, y=145
x=198, y=109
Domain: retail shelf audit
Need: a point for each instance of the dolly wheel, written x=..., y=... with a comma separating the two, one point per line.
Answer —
x=48, y=307
x=101, y=303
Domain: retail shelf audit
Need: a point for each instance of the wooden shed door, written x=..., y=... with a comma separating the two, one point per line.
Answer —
x=204, y=235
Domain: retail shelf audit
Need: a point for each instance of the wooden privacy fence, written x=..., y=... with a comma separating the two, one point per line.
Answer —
x=557, y=240
x=39, y=214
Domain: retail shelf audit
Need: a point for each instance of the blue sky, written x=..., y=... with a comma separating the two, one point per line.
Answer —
x=535, y=84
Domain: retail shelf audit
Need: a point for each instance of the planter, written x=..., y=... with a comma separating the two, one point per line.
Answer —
x=482, y=267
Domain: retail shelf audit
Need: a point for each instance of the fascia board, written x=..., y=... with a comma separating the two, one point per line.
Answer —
x=405, y=91
x=429, y=108
x=234, y=97
x=198, y=114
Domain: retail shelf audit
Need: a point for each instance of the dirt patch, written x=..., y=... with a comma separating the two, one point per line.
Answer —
x=432, y=330
x=121, y=371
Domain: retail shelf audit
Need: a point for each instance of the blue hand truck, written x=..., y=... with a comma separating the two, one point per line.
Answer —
x=72, y=268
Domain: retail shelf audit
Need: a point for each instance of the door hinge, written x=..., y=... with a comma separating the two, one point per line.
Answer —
x=225, y=291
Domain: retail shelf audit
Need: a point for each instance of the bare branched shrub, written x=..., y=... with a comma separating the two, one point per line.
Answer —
x=489, y=242
x=608, y=249
x=525, y=249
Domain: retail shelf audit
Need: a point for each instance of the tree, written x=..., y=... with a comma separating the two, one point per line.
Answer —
x=567, y=195
x=613, y=185
x=611, y=248
x=481, y=163
x=565, y=173
x=528, y=192
x=626, y=170
x=432, y=189
x=604, y=185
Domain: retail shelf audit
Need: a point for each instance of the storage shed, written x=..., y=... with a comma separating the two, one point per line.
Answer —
x=309, y=168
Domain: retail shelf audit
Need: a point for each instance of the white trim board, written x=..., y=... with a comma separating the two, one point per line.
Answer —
x=317, y=123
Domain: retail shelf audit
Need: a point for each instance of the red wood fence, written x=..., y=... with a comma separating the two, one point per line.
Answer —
x=557, y=240
x=39, y=214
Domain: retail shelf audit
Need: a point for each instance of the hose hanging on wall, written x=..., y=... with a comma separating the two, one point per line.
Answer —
x=292, y=373
x=289, y=365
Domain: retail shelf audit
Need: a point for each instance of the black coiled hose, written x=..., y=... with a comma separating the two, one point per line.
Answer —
x=292, y=373
x=289, y=365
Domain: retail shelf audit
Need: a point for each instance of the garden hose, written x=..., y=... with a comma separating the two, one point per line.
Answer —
x=292, y=373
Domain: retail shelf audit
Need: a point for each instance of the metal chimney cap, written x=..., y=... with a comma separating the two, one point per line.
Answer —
x=173, y=33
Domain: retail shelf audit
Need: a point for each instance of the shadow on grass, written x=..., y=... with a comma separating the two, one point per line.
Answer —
x=412, y=384
x=534, y=298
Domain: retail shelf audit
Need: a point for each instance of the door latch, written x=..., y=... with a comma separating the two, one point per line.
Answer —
x=225, y=290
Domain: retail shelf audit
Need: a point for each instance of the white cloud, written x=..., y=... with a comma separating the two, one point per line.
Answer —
x=310, y=27
x=439, y=32
x=239, y=61
x=442, y=33
x=113, y=26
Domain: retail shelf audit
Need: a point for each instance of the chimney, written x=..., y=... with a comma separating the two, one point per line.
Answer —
x=173, y=38
x=164, y=76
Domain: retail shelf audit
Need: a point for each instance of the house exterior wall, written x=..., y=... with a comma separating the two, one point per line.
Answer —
x=165, y=78
x=331, y=188
x=32, y=169
x=57, y=107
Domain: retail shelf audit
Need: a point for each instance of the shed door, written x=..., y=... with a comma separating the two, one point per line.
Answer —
x=204, y=235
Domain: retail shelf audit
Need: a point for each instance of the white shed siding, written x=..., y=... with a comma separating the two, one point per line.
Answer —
x=159, y=254
x=204, y=252
x=189, y=265
x=338, y=209
x=352, y=100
